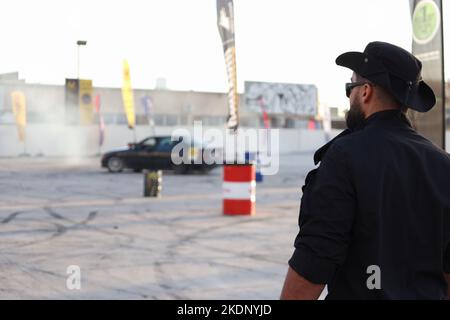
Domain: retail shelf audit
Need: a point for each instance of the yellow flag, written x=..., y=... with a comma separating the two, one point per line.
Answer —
x=85, y=102
x=127, y=96
x=20, y=112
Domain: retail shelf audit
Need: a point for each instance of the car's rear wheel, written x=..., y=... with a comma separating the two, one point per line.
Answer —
x=115, y=164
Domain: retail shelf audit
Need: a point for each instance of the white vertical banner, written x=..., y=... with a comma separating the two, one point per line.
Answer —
x=225, y=23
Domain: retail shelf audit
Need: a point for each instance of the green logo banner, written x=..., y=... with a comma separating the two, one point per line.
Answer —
x=427, y=46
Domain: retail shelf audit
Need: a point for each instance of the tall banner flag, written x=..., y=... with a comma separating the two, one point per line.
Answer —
x=72, y=101
x=127, y=96
x=266, y=119
x=20, y=112
x=427, y=46
x=86, y=102
x=147, y=104
x=225, y=23
x=101, y=122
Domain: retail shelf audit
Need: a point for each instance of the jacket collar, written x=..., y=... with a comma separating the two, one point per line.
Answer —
x=386, y=116
x=374, y=119
x=318, y=155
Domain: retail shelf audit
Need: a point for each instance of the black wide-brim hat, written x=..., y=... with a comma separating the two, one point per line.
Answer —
x=393, y=69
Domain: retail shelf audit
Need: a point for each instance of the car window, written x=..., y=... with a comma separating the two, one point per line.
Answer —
x=165, y=144
x=148, y=143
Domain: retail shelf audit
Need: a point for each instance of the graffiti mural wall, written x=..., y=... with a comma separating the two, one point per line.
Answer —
x=281, y=98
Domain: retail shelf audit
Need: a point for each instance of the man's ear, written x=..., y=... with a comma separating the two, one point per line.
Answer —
x=367, y=94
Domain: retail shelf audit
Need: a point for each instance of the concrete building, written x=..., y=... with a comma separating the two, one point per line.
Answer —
x=49, y=134
x=46, y=104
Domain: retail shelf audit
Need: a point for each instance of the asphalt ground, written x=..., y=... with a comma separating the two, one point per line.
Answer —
x=56, y=213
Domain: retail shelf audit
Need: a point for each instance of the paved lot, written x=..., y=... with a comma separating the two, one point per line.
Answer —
x=58, y=212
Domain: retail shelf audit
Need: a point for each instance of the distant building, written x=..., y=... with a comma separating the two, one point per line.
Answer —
x=169, y=108
x=12, y=77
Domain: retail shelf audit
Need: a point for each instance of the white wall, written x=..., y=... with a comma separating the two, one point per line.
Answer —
x=69, y=141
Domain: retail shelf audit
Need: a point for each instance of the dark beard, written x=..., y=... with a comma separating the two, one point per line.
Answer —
x=354, y=117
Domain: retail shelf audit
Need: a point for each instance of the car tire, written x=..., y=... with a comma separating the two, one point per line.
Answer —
x=115, y=164
x=180, y=169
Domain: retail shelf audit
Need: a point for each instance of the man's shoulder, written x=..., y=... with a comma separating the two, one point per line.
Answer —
x=371, y=141
x=363, y=144
x=353, y=141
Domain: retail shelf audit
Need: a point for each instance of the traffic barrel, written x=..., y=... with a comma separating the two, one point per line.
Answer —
x=239, y=189
x=152, y=183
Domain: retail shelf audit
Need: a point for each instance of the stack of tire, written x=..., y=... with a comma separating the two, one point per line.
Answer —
x=152, y=183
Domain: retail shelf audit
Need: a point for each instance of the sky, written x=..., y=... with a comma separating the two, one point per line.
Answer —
x=290, y=41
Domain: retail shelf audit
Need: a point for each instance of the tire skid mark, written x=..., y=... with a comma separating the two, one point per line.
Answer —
x=54, y=214
x=59, y=229
x=161, y=281
x=11, y=217
x=62, y=229
x=172, y=249
x=32, y=272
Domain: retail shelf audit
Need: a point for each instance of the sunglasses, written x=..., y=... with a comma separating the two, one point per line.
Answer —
x=350, y=85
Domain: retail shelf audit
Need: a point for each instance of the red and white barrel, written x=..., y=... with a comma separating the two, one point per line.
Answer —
x=239, y=189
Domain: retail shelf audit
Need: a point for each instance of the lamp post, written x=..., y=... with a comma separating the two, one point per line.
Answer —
x=79, y=43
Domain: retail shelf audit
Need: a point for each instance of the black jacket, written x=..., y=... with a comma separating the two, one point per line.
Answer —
x=380, y=197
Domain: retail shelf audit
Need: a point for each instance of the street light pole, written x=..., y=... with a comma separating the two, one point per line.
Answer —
x=79, y=43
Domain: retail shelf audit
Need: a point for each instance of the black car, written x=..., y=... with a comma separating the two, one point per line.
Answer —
x=154, y=153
